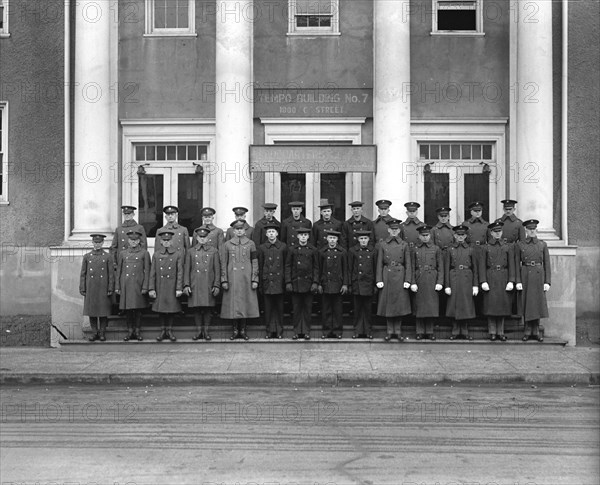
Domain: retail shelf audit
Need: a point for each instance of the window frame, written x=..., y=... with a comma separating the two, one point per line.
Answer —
x=467, y=33
x=4, y=152
x=4, y=32
x=294, y=30
x=152, y=31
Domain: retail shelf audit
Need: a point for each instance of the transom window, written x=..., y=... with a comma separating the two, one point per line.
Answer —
x=313, y=17
x=457, y=17
x=456, y=151
x=170, y=17
x=171, y=152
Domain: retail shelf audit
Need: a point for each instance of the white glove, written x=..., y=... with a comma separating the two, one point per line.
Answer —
x=475, y=290
x=448, y=291
x=406, y=285
x=379, y=284
x=485, y=286
x=414, y=288
x=519, y=286
x=546, y=286
x=178, y=293
x=509, y=286
x=438, y=287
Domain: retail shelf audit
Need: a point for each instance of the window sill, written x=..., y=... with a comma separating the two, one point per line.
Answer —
x=314, y=34
x=4, y=202
x=174, y=34
x=459, y=34
x=4, y=35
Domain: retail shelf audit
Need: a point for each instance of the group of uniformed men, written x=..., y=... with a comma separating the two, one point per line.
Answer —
x=410, y=266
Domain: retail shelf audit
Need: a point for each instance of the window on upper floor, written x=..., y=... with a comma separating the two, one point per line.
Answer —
x=457, y=17
x=3, y=152
x=313, y=17
x=4, y=18
x=170, y=17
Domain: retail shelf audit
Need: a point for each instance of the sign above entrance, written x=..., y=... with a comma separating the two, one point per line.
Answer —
x=313, y=158
x=313, y=103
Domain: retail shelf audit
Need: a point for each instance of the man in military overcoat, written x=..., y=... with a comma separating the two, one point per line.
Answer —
x=240, y=215
x=326, y=223
x=215, y=237
x=96, y=285
x=181, y=236
x=334, y=281
x=202, y=281
x=513, y=229
x=497, y=274
x=393, y=277
x=290, y=225
x=259, y=235
x=461, y=282
x=533, y=275
x=239, y=280
x=301, y=280
x=442, y=234
x=409, y=227
x=132, y=283
x=271, y=266
x=362, y=260
x=428, y=268
x=380, y=227
x=358, y=222
x=166, y=282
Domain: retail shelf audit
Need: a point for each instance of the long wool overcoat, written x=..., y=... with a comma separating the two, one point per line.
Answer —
x=202, y=273
x=394, y=267
x=133, y=276
x=428, y=267
x=460, y=275
x=166, y=277
x=97, y=279
x=239, y=269
x=534, y=260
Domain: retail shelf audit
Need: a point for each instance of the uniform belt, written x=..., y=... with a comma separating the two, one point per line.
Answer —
x=461, y=266
x=477, y=243
x=411, y=244
x=497, y=267
x=394, y=263
x=532, y=263
x=427, y=266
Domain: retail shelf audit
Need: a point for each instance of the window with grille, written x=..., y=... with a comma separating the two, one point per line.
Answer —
x=170, y=17
x=170, y=152
x=455, y=152
x=457, y=17
x=313, y=17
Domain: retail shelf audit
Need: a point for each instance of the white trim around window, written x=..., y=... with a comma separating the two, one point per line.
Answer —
x=4, y=151
x=313, y=18
x=472, y=8
x=158, y=131
x=4, y=17
x=167, y=23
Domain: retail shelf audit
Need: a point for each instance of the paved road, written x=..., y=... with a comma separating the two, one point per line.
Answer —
x=220, y=435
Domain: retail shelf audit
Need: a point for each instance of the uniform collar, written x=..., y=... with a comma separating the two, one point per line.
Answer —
x=136, y=249
x=211, y=226
x=169, y=250
x=172, y=225
x=129, y=223
x=463, y=244
x=428, y=244
x=397, y=238
x=336, y=248
x=493, y=241
x=473, y=220
x=414, y=221
x=276, y=244
x=98, y=251
x=439, y=225
x=512, y=218
x=383, y=218
x=204, y=246
x=239, y=240
x=531, y=240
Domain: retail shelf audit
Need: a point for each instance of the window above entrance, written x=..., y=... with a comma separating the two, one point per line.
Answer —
x=313, y=17
x=170, y=18
x=170, y=152
x=457, y=17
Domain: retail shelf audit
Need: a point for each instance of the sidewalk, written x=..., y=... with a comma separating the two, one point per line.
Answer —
x=303, y=364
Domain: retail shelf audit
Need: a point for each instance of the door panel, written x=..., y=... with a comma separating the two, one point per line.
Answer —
x=151, y=200
x=476, y=187
x=333, y=188
x=189, y=199
x=437, y=194
x=293, y=188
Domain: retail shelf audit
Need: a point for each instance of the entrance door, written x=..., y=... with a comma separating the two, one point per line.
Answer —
x=174, y=185
x=456, y=174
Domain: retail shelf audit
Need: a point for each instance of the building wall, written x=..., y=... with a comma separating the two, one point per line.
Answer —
x=343, y=61
x=166, y=77
x=31, y=80
x=459, y=77
x=584, y=150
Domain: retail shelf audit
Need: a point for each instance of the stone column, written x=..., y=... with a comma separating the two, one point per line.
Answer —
x=92, y=121
x=233, y=105
x=391, y=102
x=535, y=182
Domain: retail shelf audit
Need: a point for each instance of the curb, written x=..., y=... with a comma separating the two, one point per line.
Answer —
x=337, y=379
